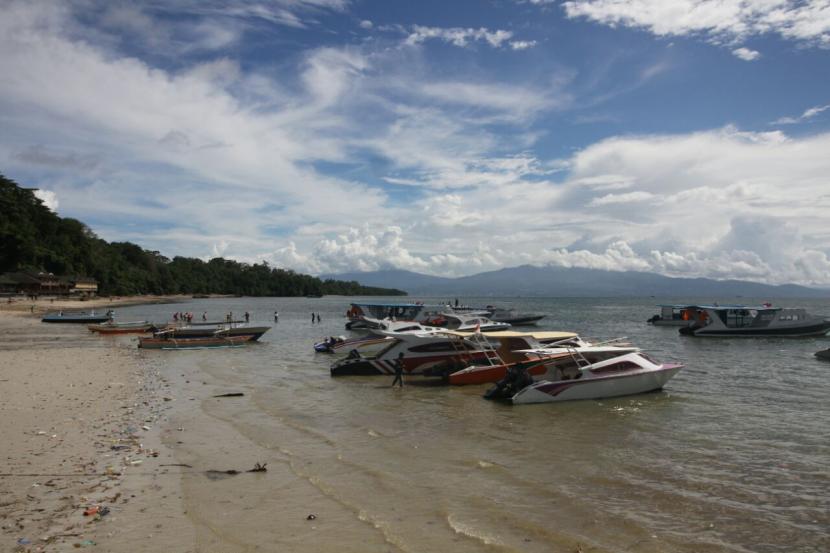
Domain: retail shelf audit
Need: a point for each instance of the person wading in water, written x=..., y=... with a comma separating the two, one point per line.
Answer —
x=398, y=371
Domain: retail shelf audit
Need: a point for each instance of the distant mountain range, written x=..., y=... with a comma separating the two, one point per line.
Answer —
x=530, y=281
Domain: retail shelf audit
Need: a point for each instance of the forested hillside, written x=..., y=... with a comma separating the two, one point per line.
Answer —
x=33, y=238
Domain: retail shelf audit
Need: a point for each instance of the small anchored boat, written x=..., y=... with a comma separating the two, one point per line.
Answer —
x=169, y=342
x=77, y=317
x=111, y=327
x=209, y=330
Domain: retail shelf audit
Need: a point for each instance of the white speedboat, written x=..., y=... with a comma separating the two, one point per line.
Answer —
x=622, y=375
x=761, y=320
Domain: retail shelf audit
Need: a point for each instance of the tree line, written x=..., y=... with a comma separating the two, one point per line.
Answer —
x=33, y=238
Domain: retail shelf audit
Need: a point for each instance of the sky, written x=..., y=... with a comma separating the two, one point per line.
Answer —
x=681, y=137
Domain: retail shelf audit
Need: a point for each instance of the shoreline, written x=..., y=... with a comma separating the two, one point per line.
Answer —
x=25, y=306
x=81, y=423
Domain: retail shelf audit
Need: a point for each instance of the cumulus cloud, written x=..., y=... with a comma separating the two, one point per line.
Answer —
x=730, y=21
x=746, y=54
x=241, y=156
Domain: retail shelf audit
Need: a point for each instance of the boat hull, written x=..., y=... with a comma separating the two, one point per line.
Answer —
x=487, y=374
x=801, y=331
x=823, y=354
x=115, y=329
x=597, y=387
x=78, y=319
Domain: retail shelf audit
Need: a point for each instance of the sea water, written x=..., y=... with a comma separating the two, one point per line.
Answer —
x=733, y=455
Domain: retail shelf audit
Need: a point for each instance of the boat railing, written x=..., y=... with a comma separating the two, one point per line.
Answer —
x=490, y=354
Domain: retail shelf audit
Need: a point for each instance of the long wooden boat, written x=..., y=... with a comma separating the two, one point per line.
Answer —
x=138, y=327
x=208, y=331
x=77, y=317
x=193, y=343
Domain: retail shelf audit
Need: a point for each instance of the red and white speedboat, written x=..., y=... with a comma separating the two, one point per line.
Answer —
x=440, y=353
x=622, y=375
x=427, y=354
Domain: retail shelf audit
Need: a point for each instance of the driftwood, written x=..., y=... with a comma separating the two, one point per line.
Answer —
x=230, y=394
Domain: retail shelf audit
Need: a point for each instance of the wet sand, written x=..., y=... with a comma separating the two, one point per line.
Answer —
x=89, y=420
x=80, y=424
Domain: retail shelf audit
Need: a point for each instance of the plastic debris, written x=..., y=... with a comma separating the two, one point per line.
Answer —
x=24, y=541
x=91, y=511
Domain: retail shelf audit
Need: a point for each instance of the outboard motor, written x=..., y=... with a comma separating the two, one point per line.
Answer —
x=514, y=381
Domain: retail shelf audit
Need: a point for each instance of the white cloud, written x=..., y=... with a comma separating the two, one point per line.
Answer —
x=232, y=159
x=366, y=24
x=458, y=36
x=746, y=54
x=522, y=44
x=731, y=21
x=807, y=115
x=49, y=198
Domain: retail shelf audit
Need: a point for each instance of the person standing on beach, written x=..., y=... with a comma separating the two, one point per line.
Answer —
x=313, y=318
x=398, y=371
x=276, y=316
x=204, y=316
x=318, y=318
x=247, y=317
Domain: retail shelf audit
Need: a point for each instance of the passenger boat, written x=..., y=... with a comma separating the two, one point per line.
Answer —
x=675, y=315
x=111, y=327
x=169, y=342
x=77, y=317
x=761, y=320
x=441, y=353
x=362, y=315
x=465, y=322
x=622, y=375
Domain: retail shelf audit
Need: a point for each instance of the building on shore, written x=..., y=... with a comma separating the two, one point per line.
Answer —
x=46, y=284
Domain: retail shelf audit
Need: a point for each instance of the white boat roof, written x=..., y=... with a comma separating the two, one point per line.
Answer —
x=584, y=349
x=544, y=335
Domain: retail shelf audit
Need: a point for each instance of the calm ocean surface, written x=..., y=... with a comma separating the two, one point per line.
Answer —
x=734, y=454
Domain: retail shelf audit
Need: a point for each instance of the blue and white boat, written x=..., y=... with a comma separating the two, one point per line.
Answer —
x=758, y=320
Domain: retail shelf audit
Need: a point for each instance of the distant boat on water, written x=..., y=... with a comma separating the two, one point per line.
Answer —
x=760, y=320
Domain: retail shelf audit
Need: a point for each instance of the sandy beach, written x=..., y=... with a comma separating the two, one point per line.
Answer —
x=80, y=427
